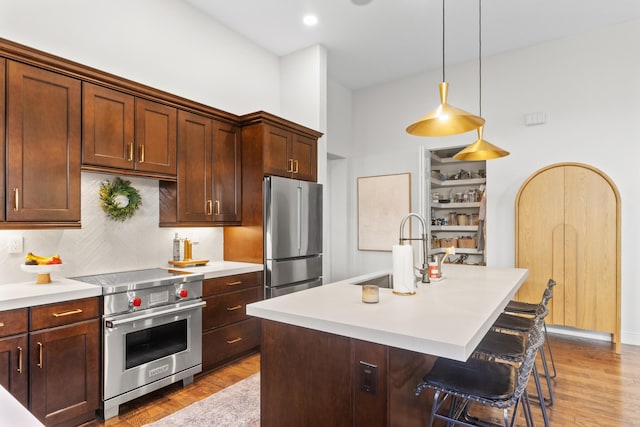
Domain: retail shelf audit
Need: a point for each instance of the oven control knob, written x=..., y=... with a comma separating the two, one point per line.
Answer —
x=183, y=293
x=135, y=302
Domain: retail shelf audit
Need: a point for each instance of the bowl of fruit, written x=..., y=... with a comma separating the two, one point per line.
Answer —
x=43, y=266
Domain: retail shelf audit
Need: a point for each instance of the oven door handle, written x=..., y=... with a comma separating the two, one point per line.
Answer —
x=113, y=323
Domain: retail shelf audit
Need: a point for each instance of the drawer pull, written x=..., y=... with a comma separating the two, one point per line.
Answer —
x=236, y=307
x=235, y=340
x=1, y=324
x=19, y=360
x=40, y=355
x=68, y=313
x=236, y=283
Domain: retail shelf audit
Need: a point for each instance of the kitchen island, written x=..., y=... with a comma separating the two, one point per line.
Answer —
x=329, y=359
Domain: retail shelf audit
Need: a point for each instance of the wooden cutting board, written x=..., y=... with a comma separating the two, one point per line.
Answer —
x=188, y=262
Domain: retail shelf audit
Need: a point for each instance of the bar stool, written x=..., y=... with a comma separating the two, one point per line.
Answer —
x=527, y=308
x=522, y=324
x=482, y=381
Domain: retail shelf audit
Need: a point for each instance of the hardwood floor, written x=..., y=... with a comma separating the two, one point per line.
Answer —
x=163, y=402
x=594, y=387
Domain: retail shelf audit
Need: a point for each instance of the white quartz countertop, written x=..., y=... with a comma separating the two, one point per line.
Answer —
x=446, y=318
x=223, y=268
x=12, y=413
x=28, y=294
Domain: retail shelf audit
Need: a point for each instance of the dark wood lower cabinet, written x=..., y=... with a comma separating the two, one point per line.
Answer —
x=14, y=373
x=64, y=364
x=314, y=378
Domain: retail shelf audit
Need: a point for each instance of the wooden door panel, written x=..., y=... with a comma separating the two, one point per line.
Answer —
x=194, y=170
x=108, y=127
x=591, y=212
x=43, y=152
x=155, y=137
x=14, y=373
x=277, y=158
x=539, y=220
x=65, y=372
x=2, y=138
x=227, y=173
x=304, y=152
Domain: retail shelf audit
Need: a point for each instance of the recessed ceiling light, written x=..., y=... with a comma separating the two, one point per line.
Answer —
x=310, y=20
x=360, y=2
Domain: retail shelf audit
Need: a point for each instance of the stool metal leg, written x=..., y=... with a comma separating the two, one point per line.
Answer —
x=553, y=363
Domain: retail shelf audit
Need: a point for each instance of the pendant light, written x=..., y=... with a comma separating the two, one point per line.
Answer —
x=445, y=119
x=481, y=149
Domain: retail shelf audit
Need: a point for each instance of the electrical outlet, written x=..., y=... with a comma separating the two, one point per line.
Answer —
x=15, y=244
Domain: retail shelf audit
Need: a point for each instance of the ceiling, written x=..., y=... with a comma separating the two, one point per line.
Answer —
x=389, y=39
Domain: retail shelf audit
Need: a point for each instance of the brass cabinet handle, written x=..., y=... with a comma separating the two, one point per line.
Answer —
x=234, y=308
x=290, y=168
x=295, y=166
x=141, y=160
x=236, y=283
x=217, y=203
x=68, y=313
x=209, y=207
x=19, y=360
x=40, y=355
x=16, y=200
x=130, y=150
x=235, y=340
x=1, y=324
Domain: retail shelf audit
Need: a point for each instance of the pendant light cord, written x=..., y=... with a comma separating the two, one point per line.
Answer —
x=480, y=57
x=443, y=79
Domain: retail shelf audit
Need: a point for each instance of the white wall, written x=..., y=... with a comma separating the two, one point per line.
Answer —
x=587, y=85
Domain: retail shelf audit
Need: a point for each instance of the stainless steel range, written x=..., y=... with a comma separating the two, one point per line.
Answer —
x=152, y=324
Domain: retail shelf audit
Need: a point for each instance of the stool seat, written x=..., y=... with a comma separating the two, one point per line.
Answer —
x=521, y=307
x=504, y=346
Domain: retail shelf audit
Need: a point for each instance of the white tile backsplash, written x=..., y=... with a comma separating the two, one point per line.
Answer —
x=103, y=245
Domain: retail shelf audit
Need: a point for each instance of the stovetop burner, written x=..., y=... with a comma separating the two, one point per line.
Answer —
x=137, y=279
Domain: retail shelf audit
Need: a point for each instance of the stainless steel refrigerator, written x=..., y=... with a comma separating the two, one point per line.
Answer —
x=292, y=235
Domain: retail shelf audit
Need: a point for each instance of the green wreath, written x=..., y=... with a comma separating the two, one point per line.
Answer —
x=119, y=200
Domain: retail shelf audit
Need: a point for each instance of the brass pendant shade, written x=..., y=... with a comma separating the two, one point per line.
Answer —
x=445, y=119
x=480, y=149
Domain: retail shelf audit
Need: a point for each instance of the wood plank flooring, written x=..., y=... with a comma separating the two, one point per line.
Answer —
x=594, y=387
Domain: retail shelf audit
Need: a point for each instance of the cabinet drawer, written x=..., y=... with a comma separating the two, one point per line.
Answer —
x=13, y=322
x=235, y=282
x=228, y=308
x=62, y=313
x=225, y=343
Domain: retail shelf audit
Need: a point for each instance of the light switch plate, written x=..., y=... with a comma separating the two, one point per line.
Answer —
x=16, y=244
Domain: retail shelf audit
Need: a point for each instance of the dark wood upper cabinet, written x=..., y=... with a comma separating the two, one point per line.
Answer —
x=121, y=131
x=208, y=191
x=2, y=137
x=43, y=145
x=289, y=154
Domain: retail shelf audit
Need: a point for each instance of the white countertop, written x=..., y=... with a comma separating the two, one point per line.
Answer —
x=223, y=268
x=446, y=318
x=28, y=294
x=12, y=413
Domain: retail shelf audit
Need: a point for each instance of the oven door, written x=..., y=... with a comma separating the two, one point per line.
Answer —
x=141, y=348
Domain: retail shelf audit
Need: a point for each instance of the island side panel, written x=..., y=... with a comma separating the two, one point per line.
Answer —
x=306, y=377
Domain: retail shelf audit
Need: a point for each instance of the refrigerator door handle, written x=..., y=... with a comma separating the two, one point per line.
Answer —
x=299, y=219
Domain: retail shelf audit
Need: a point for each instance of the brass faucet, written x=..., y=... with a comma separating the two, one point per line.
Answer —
x=424, y=271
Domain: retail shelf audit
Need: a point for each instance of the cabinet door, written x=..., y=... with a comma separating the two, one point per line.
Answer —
x=155, y=137
x=277, y=158
x=13, y=366
x=2, y=139
x=108, y=126
x=304, y=153
x=65, y=376
x=227, y=173
x=43, y=145
x=195, y=201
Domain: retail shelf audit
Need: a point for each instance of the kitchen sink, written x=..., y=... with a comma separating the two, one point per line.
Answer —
x=382, y=281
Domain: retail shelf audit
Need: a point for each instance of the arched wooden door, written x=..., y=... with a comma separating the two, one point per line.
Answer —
x=568, y=229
